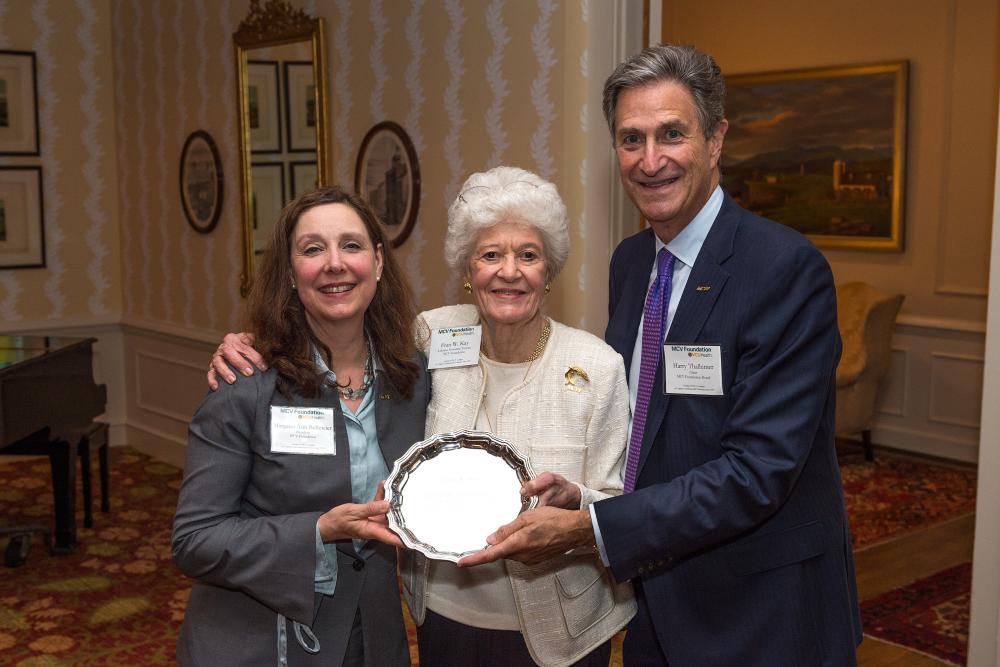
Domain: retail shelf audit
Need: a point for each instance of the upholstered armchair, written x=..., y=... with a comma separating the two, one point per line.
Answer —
x=866, y=318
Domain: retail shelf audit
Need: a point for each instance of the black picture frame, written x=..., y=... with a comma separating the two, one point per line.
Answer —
x=264, y=106
x=19, y=128
x=201, y=182
x=301, y=110
x=302, y=177
x=267, y=198
x=387, y=174
x=22, y=218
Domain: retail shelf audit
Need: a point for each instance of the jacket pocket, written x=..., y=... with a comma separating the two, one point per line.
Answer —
x=584, y=593
x=777, y=549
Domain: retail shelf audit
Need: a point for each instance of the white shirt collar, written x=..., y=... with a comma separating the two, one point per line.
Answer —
x=686, y=245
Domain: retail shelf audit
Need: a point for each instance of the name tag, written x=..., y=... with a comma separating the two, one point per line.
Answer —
x=453, y=347
x=302, y=430
x=692, y=369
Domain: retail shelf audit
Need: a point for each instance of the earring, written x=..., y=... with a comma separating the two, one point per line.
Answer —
x=467, y=286
x=548, y=287
x=293, y=284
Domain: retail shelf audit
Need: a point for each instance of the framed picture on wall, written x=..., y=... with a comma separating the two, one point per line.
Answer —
x=263, y=106
x=302, y=177
x=18, y=103
x=22, y=225
x=300, y=105
x=267, y=200
x=387, y=174
x=201, y=182
x=822, y=151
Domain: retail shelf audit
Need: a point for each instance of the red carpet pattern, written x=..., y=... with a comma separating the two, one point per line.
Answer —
x=892, y=495
x=930, y=615
x=118, y=600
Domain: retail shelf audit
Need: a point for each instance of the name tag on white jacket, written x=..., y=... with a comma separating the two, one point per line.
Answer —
x=692, y=369
x=302, y=430
x=453, y=347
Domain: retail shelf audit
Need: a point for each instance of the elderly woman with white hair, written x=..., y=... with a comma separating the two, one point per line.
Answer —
x=559, y=394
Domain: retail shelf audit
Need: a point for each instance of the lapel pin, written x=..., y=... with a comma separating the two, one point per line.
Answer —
x=702, y=288
x=384, y=397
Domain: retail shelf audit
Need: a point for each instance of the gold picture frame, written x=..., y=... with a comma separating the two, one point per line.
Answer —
x=821, y=150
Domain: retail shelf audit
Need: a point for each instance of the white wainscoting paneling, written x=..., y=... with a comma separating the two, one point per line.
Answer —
x=930, y=401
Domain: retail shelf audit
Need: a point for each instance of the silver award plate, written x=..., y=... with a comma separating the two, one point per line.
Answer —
x=448, y=493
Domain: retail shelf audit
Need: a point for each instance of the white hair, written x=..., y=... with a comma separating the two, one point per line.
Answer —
x=507, y=194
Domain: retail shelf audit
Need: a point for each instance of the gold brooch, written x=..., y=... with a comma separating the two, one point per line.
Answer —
x=575, y=378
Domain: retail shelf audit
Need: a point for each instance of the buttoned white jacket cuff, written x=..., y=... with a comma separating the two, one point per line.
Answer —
x=597, y=537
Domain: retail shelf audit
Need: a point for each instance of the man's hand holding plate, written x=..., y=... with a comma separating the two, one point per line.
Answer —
x=536, y=536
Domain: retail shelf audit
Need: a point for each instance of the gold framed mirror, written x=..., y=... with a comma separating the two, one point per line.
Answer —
x=281, y=95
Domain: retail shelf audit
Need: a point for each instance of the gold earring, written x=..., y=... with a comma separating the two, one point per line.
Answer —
x=467, y=286
x=548, y=287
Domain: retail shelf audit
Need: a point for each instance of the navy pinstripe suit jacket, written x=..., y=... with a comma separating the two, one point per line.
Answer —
x=736, y=532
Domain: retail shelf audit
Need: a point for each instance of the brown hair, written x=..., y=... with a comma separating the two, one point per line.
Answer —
x=277, y=319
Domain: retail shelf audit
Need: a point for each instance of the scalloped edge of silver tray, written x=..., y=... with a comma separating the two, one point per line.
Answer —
x=434, y=446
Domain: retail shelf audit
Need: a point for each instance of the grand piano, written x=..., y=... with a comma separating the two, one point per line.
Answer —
x=47, y=398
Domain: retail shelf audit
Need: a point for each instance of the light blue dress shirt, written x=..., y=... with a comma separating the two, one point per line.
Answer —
x=685, y=247
x=368, y=468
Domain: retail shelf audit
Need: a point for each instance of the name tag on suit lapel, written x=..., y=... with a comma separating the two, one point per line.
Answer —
x=302, y=430
x=692, y=369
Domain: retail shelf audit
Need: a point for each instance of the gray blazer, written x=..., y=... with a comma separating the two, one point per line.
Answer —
x=245, y=530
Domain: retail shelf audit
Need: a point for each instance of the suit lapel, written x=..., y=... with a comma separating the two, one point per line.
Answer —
x=338, y=473
x=624, y=324
x=704, y=285
x=386, y=398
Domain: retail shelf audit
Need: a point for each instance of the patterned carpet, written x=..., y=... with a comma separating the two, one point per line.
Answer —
x=119, y=601
x=930, y=615
x=893, y=495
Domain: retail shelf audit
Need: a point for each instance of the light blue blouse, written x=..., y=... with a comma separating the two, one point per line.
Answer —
x=368, y=468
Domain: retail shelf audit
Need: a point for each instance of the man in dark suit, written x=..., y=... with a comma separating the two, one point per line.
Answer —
x=732, y=527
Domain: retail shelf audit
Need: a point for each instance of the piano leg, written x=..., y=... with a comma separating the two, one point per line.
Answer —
x=102, y=457
x=62, y=459
x=84, y=451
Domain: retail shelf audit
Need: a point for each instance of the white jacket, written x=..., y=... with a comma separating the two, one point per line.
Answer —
x=567, y=425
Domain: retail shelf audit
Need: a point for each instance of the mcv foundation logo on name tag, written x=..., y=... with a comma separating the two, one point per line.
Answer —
x=302, y=430
x=692, y=369
x=453, y=347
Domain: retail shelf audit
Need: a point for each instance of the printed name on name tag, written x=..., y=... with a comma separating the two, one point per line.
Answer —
x=453, y=347
x=302, y=430
x=692, y=369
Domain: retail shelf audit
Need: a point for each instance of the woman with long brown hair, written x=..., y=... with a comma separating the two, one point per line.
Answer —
x=292, y=559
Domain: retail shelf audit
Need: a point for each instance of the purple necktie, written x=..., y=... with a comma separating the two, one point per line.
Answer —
x=654, y=319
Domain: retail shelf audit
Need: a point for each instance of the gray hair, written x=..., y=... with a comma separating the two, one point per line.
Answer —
x=507, y=194
x=682, y=63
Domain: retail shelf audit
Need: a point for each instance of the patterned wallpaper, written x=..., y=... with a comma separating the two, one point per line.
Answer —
x=474, y=85
x=81, y=282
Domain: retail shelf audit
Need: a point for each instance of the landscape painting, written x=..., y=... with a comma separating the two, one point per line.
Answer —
x=821, y=151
